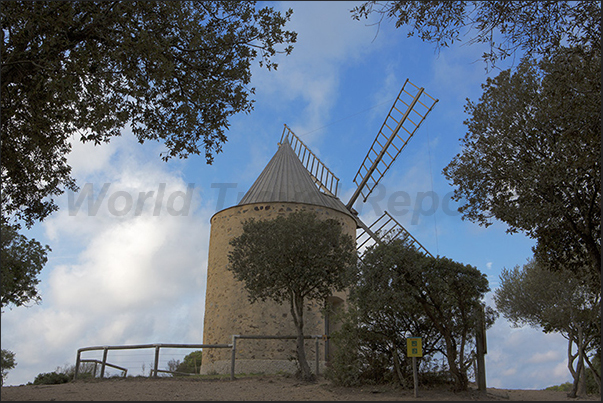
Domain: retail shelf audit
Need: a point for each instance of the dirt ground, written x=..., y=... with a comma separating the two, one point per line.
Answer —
x=273, y=387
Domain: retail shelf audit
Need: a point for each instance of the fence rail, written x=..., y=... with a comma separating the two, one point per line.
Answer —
x=155, y=370
x=157, y=347
x=125, y=370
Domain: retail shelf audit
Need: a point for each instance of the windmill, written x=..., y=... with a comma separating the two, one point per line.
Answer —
x=409, y=110
x=295, y=179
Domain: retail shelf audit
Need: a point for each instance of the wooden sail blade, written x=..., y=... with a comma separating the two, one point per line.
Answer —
x=409, y=110
x=385, y=229
x=321, y=175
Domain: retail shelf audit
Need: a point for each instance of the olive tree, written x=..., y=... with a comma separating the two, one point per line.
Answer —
x=21, y=261
x=506, y=27
x=555, y=301
x=173, y=71
x=293, y=259
x=7, y=362
x=382, y=314
x=532, y=158
x=401, y=292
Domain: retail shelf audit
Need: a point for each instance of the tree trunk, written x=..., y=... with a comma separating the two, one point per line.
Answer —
x=397, y=368
x=579, y=385
x=595, y=372
x=460, y=378
x=297, y=311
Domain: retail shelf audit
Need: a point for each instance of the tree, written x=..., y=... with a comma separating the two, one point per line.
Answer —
x=293, y=259
x=450, y=295
x=531, y=157
x=382, y=314
x=508, y=27
x=415, y=293
x=190, y=364
x=556, y=302
x=7, y=362
x=21, y=260
x=175, y=72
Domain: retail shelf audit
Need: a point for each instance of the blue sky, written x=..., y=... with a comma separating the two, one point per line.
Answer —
x=139, y=277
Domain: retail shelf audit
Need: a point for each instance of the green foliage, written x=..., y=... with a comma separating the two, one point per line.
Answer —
x=402, y=293
x=533, y=149
x=531, y=157
x=21, y=260
x=293, y=259
x=564, y=387
x=7, y=362
x=190, y=365
x=384, y=312
x=593, y=376
x=51, y=378
x=174, y=72
x=298, y=253
x=556, y=301
x=507, y=27
x=87, y=371
x=345, y=367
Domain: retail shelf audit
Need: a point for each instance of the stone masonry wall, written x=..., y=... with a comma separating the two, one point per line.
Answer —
x=228, y=310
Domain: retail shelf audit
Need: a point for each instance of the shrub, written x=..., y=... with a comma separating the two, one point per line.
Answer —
x=7, y=362
x=564, y=387
x=51, y=378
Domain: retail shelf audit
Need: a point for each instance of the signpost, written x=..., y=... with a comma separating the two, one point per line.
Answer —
x=414, y=349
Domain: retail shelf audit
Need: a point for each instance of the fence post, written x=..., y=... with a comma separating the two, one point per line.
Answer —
x=232, y=357
x=105, y=351
x=77, y=364
x=316, y=337
x=157, y=346
x=480, y=346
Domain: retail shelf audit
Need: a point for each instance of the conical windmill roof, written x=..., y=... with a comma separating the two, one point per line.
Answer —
x=285, y=179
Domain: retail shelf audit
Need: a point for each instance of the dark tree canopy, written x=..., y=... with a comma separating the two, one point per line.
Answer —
x=174, y=71
x=21, y=260
x=383, y=313
x=401, y=291
x=293, y=259
x=532, y=157
x=508, y=27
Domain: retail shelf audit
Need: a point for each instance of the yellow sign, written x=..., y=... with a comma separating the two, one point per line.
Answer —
x=414, y=347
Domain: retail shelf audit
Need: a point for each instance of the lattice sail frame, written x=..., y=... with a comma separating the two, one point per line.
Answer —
x=412, y=104
x=321, y=175
x=385, y=229
x=416, y=104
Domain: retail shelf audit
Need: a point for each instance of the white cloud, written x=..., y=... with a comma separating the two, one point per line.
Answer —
x=129, y=279
x=548, y=356
x=328, y=39
x=524, y=358
x=87, y=158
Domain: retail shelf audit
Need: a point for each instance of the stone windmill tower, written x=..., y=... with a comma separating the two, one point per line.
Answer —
x=295, y=179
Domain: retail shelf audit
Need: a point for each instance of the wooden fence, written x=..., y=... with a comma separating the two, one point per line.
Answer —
x=157, y=347
x=155, y=370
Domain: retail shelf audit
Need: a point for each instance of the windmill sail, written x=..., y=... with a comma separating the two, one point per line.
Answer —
x=383, y=229
x=322, y=176
x=405, y=116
